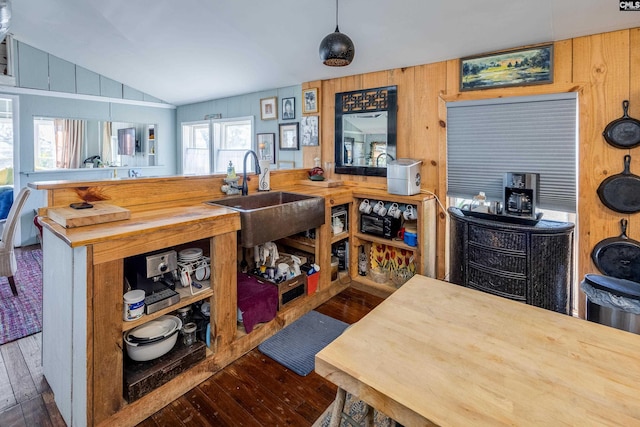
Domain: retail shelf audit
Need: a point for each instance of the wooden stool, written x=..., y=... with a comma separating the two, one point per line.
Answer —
x=338, y=411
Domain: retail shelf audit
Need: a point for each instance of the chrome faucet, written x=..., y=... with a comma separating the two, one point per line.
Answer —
x=383, y=154
x=245, y=187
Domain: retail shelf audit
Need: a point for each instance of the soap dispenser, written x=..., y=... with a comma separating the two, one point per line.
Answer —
x=231, y=171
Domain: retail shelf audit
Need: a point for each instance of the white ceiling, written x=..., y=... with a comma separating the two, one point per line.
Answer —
x=184, y=51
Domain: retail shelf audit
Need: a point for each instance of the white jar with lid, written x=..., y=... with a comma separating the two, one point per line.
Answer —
x=133, y=305
x=479, y=203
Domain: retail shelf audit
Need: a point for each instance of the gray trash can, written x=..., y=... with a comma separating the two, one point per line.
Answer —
x=613, y=302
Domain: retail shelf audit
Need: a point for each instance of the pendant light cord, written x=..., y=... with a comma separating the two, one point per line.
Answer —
x=337, y=16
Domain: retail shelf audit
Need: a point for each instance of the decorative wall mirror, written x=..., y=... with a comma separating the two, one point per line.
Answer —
x=64, y=143
x=365, y=131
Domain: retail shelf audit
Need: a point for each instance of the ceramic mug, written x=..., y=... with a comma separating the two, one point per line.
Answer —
x=185, y=277
x=410, y=213
x=394, y=210
x=378, y=206
x=203, y=272
x=365, y=206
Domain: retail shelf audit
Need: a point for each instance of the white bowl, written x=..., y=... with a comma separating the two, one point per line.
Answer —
x=143, y=350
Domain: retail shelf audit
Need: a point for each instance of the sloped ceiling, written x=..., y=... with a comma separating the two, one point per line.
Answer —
x=184, y=51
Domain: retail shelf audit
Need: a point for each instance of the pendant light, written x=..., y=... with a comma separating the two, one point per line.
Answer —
x=337, y=50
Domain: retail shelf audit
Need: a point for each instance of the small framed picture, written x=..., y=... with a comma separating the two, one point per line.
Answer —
x=269, y=108
x=309, y=130
x=267, y=147
x=310, y=100
x=289, y=136
x=288, y=108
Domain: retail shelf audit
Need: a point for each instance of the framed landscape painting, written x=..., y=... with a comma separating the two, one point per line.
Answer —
x=508, y=68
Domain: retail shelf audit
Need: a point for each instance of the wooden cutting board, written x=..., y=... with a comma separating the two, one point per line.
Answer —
x=98, y=214
x=326, y=183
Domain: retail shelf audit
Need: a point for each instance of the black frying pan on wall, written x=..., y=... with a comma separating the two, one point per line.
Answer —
x=618, y=256
x=623, y=132
x=621, y=192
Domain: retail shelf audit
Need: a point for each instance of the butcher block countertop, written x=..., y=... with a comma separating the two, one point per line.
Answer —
x=435, y=353
x=144, y=222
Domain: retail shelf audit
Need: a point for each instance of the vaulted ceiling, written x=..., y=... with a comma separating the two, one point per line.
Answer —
x=184, y=51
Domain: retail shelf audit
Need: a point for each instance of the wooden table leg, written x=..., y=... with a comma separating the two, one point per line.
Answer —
x=338, y=407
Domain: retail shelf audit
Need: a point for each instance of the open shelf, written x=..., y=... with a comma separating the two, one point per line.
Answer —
x=340, y=236
x=301, y=243
x=389, y=242
x=185, y=299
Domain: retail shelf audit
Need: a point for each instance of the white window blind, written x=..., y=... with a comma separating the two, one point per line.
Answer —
x=536, y=134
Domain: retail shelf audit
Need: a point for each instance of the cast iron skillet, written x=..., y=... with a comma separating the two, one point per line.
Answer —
x=618, y=256
x=623, y=132
x=621, y=192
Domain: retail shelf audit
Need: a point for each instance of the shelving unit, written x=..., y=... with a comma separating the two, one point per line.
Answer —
x=424, y=253
x=152, y=148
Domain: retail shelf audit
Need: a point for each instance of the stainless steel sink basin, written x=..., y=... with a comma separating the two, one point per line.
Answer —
x=273, y=215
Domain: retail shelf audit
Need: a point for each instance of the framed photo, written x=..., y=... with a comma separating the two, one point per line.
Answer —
x=288, y=108
x=267, y=147
x=269, y=108
x=289, y=136
x=519, y=67
x=309, y=130
x=310, y=100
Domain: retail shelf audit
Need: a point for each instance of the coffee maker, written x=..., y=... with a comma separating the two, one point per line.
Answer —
x=155, y=273
x=521, y=194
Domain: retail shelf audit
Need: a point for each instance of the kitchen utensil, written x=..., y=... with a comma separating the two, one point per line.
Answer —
x=623, y=132
x=621, y=192
x=618, y=256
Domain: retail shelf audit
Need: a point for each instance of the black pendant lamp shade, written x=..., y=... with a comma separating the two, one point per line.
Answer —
x=336, y=49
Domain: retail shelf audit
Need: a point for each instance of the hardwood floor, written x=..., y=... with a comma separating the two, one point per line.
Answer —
x=252, y=391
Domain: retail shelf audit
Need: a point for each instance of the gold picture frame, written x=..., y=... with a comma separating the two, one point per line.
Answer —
x=269, y=108
x=310, y=101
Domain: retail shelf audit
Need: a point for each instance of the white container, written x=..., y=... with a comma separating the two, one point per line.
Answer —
x=153, y=339
x=133, y=305
x=403, y=176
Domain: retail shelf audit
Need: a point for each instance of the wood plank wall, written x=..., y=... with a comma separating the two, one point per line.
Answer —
x=603, y=68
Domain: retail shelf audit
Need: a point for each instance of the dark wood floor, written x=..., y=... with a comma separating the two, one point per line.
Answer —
x=252, y=391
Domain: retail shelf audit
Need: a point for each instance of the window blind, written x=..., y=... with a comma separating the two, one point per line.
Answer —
x=533, y=134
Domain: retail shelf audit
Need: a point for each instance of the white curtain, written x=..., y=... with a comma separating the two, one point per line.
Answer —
x=107, y=152
x=69, y=140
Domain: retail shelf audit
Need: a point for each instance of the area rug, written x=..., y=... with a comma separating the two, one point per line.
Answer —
x=22, y=315
x=296, y=345
x=353, y=415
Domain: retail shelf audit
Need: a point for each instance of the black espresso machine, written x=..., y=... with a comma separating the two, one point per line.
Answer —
x=155, y=273
x=521, y=197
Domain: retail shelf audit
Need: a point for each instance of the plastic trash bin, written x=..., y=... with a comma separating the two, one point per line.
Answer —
x=613, y=302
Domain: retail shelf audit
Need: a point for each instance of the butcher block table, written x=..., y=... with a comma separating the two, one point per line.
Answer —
x=435, y=353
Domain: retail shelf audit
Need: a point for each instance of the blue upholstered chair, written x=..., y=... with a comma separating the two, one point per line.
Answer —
x=8, y=264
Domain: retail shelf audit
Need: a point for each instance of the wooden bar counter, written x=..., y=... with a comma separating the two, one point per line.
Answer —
x=436, y=353
x=83, y=348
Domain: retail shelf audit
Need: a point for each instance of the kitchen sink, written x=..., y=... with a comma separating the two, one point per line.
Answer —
x=273, y=215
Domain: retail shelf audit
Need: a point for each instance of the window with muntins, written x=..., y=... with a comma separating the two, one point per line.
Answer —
x=209, y=146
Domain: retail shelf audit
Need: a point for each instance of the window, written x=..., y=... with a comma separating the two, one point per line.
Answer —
x=45, y=143
x=6, y=141
x=196, y=152
x=230, y=139
x=536, y=134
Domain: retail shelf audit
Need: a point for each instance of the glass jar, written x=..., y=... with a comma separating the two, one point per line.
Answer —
x=184, y=313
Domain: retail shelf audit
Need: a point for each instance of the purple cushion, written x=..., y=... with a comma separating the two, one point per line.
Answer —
x=257, y=301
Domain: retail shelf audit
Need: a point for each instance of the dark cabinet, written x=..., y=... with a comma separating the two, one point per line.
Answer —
x=528, y=263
